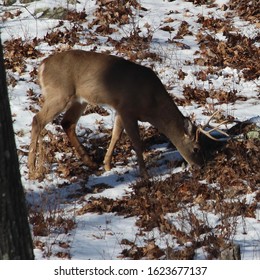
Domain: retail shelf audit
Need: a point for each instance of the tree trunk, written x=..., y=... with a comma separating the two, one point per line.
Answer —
x=15, y=235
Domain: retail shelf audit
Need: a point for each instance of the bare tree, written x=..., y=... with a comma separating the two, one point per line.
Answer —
x=15, y=236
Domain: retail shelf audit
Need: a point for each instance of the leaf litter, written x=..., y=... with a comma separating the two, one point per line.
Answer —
x=176, y=207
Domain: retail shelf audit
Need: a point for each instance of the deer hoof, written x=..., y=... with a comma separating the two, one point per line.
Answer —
x=107, y=167
x=88, y=162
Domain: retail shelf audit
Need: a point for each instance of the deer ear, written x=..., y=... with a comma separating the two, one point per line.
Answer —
x=188, y=127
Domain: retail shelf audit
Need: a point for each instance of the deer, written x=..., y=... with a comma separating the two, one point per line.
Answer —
x=72, y=79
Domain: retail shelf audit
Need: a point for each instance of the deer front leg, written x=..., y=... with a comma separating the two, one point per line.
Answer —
x=132, y=129
x=116, y=134
x=68, y=123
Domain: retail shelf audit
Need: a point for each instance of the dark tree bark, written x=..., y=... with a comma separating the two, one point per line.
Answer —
x=15, y=236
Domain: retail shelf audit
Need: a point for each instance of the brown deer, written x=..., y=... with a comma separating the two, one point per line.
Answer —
x=71, y=79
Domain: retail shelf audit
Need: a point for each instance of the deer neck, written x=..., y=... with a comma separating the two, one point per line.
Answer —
x=169, y=120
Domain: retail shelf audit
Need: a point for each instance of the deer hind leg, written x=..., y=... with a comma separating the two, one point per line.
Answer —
x=37, y=127
x=69, y=123
x=116, y=134
x=46, y=115
x=132, y=129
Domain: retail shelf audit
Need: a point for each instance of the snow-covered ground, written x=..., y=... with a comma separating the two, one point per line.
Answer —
x=58, y=199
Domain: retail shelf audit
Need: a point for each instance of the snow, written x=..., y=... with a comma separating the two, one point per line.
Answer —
x=98, y=236
x=105, y=231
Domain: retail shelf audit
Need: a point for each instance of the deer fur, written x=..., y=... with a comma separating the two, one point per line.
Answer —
x=70, y=80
